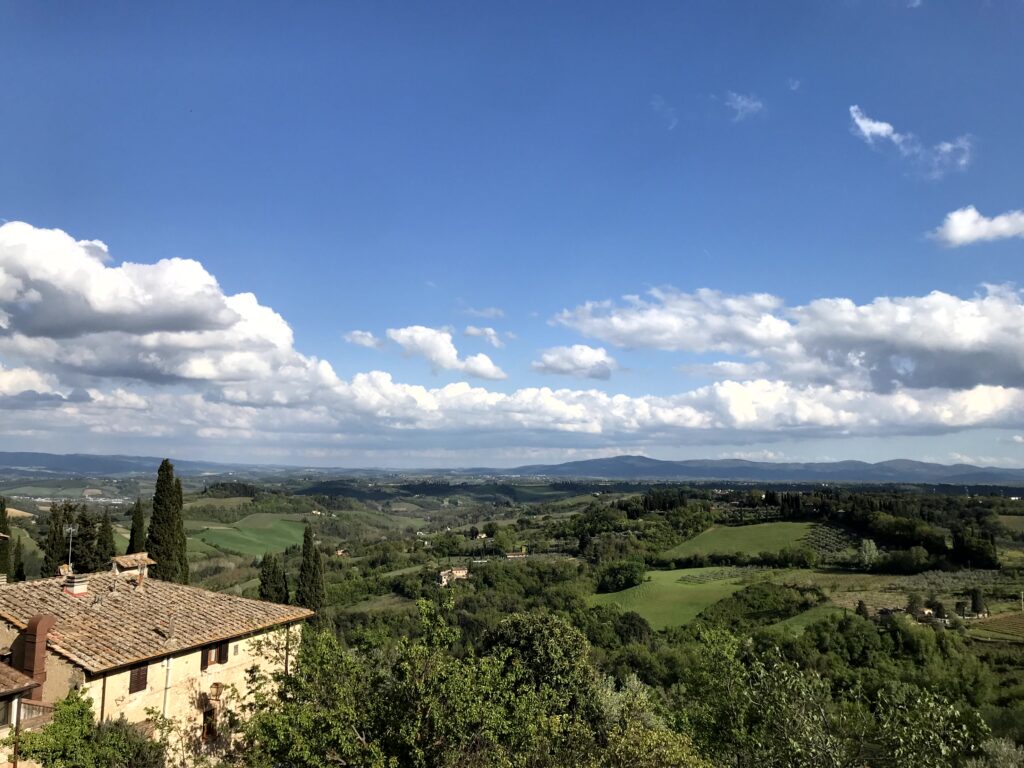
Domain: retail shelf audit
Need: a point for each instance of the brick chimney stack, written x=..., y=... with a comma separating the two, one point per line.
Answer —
x=76, y=584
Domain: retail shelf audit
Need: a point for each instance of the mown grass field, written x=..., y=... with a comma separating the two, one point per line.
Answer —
x=253, y=535
x=749, y=539
x=673, y=598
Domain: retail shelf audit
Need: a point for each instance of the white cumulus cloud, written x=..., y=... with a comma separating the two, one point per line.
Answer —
x=362, y=339
x=487, y=334
x=113, y=356
x=936, y=340
x=436, y=346
x=578, y=360
x=966, y=225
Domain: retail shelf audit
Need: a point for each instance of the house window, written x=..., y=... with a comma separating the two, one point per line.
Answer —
x=214, y=654
x=138, y=678
x=5, y=711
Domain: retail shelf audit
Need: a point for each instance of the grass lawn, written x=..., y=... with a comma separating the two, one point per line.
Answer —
x=751, y=539
x=673, y=598
x=797, y=624
x=256, y=534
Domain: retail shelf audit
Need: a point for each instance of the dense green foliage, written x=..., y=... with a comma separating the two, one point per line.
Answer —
x=273, y=580
x=18, y=562
x=73, y=740
x=761, y=604
x=54, y=551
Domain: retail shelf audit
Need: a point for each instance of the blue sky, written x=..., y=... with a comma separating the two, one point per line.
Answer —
x=385, y=167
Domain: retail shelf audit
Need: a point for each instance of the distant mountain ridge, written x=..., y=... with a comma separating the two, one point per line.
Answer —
x=893, y=471
x=27, y=464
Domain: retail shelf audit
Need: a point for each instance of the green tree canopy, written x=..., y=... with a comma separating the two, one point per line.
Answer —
x=73, y=740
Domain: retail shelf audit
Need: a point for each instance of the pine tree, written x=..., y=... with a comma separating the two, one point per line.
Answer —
x=273, y=581
x=105, y=548
x=310, y=592
x=165, y=541
x=5, y=540
x=54, y=552
x=137, y=537
x=19, y=562
x=83, y=543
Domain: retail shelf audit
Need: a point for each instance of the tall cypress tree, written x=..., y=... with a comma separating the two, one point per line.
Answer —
x=105, y=548
x=54, y=553
x=310, y=592
x=83, y=544
x=5, y=543
x=273, y=582
x=179, y=531
x=282, y=579
x=137, y=537
x=19, y=561
x=166, y=538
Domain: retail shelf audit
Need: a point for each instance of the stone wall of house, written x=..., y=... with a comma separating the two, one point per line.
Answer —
x=178, y=688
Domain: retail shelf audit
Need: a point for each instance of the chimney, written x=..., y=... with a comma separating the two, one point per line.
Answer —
x=76, y=584
x=33, y=661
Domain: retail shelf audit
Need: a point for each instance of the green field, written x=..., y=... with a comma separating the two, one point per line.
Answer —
x=1008, y=626
x=229, y=502
x=1013, y=522
x=801, y=621
x=673, y=598
x=749, y=539
x=254, y=535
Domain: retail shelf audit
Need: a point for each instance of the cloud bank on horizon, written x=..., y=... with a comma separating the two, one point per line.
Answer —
x=89, y=346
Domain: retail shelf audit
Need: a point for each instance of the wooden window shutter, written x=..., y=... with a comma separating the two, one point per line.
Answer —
x=204, y=659
x=138, y=678
x=222, y=653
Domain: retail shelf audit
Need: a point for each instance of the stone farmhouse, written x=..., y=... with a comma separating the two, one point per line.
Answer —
x=132, y=644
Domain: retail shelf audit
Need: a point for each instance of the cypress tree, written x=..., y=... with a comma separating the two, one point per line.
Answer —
x=273, y=582
x=179, y=533
x=282, y=582
x=166, y=537
x=54, y=553
x=83, y=544
x=19, y=561
x=137, y=537
x=105, y=548
x=310, y=592
x=5, y=543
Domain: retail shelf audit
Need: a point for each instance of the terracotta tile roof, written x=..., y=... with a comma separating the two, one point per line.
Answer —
x=115, y=624
x=13, y=681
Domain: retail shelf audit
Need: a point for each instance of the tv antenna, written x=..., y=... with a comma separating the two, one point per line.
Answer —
x=70, y=531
